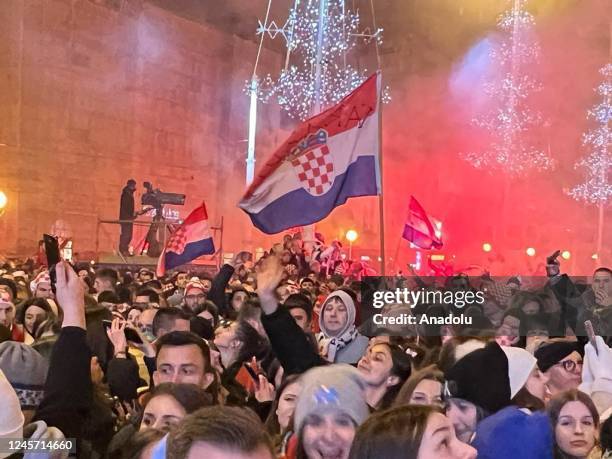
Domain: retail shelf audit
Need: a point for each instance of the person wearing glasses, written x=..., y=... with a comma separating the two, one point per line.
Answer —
x=561, y=363
x=195, y=295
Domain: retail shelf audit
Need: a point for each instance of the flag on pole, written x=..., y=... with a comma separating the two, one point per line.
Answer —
x=189, y=241
x=326, y=160
x=421, y=229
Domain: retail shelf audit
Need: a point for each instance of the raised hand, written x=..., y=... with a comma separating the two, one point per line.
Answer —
x=269, y=275
x=70, y=294
x=264, y=392
x=116, y=335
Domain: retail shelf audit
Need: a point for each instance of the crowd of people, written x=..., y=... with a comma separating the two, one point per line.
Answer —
x=275, y=358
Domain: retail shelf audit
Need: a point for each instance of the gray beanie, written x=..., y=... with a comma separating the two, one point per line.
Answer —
x=332, y=388
x=26, y=370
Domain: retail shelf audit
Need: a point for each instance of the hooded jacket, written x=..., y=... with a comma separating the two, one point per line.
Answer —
x=347, y=345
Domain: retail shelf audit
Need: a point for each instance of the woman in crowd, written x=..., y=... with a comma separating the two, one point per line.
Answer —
x=384, y=368
x=168, y=403
x=482, y=383
x=163, y=408
x=561, y=363
x=238, y=343
x=329, y=409
x=424, y=387
x=32, y=313
x=575, y=423
x=339, y=340
x=409, y=432
x=280, y=419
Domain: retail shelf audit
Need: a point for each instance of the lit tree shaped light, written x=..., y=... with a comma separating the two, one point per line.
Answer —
x=596, y=189
x=511, y=123
x=319, y=36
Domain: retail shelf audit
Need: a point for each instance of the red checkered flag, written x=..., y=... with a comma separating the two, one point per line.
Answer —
x=189, y=241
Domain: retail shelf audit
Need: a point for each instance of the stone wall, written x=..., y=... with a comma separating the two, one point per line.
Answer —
x=95, y=92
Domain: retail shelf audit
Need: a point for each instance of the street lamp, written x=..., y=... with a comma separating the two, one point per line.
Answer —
x=351, y=236
x=3, y=202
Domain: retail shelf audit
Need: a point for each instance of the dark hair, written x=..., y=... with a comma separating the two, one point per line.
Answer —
x=605, y=435
x=525, y=399
x=11, y=285
x=165, y=318
x=153, y=283
x=108, y=274
x=108, y=297
x=42, y=303
x=272, y=425
x=231, y=428
x=251, y=310
x=140, y=441
x=431, y=372
x=233, y=293
x=145, y=291
x=189, y=396
x=603, y=269
x=207, y=306
x=184, y=338
x=556, y=404
x=253, y=344
x=393, y=434
x=337, y=279
x=401, y=367
x=299, y=301
x=520, y=299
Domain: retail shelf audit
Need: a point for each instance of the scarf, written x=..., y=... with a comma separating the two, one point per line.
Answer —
x=329, y=347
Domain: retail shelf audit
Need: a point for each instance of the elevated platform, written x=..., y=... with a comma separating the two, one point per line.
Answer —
x=116, y=261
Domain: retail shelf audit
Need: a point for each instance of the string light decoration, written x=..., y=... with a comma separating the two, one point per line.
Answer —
x=596, y=189
x=509, y=125
x=319, y=35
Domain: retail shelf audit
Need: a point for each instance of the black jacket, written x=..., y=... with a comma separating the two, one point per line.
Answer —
x=217, y=290
x=289, y=342
x=68, y=390
x=126, y=206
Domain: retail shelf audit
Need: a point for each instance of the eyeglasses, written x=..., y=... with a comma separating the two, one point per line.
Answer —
x=570, y=365
x=195, y=297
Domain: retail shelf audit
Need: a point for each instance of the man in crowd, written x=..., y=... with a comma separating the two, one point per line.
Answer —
x=126, y=212
x=145, y=297
x=41, y=286
x=220, y=433
x=106, y=280
x=167, y=320
x=195, y=295
x=7, y=316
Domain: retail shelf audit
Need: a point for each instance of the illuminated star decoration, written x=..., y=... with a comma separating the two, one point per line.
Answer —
x=296, y=89
x=510, y=124
x=596, y=189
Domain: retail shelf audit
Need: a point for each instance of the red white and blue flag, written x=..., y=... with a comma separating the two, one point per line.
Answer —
x=189, y=241
x=420, y=228
x=326, y=160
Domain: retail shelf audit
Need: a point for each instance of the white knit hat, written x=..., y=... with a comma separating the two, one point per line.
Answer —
x=11, y=417
x=520, y=365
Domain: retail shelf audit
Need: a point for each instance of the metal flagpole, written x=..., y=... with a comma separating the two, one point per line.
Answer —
x=309, y=230
x=381, y=205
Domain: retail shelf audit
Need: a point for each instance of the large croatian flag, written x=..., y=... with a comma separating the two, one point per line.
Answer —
x=326, y=160
x=189, y=241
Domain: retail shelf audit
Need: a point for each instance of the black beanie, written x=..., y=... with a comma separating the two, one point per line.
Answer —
x=550, y=354
x=482, y=378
